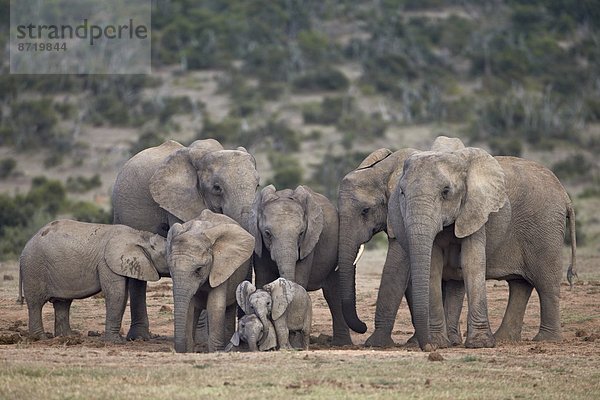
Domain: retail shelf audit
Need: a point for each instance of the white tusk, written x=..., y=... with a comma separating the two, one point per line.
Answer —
x=361, y=250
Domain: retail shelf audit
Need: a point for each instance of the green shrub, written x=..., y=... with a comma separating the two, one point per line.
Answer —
x=88, y=212
x=328, y=79
x=575, y=167
x=506, y=146
x=7, y=167
x=146, y=140
x=328, y=112
x=287, y=172
x=81, y=184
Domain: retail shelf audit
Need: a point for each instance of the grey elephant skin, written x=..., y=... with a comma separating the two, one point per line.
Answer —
x=252, y=336
x=68, y=260
x=363, y=198
x=464, y=214
x=291, y=313
x=172, y=183
x=296, y=234
x=207, y=257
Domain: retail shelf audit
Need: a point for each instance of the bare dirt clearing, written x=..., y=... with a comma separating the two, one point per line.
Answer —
x=86, y=367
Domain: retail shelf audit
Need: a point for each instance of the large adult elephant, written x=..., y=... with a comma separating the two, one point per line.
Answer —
x=468, y=215
x=172, y=183
x=362, y=206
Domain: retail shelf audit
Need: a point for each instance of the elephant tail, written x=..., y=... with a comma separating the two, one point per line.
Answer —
x=572, y=271
x=21, y=298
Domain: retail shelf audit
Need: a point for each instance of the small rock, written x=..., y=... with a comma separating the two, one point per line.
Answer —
x=427, y=382
x=94, y=333
x=8, y=278
x=435, y=356
x=580, y=333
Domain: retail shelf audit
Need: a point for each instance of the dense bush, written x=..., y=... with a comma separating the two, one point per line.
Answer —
x=81, y=184
x=575, y=167
x=328, y=79
x=287, y=172
x=7, y=167
x=328, y=112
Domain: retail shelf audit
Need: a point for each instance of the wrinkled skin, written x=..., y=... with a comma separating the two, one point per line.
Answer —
x=363, y=206
x=466, y=215
x=256, y=303
x=250, y=336
x=291, y=312
x=207, y=258
x=296, y=234
x=68, y=260
x=172, y=183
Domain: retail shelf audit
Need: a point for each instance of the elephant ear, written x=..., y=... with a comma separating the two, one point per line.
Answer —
x=242, y=293
x=206, y=145
x=235, y=339
x=447, y=144
x=232, y=247
x=314, y=220
x=374, y=158
x=125, y=255
x=215, y=218
x=485, y=191
x=263, y=195
x=174, y=186
x=282, y=294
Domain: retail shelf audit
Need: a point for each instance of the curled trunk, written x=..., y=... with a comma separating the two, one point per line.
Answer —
x=347, y=273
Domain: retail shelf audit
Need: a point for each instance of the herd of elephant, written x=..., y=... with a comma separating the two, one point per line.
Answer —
x=454, y=216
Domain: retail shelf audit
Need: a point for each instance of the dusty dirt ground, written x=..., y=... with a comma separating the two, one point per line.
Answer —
x=580, y=313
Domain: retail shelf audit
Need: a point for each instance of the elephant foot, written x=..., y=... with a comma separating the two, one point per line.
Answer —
x=412, y=342
x=138, y=332
x=480, y=340
x=380, y=339
x=113, y=338
x=40, y=336
x=439, y=340
x=547, y=336
x=507, y=335
x=339, y=341
x=455, y=339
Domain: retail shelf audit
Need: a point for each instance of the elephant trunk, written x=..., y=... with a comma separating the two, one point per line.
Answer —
x=347, y=250
x=285, y=254
x=420, y=241
x=184, y=312
x=252, y=342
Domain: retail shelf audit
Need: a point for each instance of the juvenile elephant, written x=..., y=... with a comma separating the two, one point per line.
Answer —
x=296, y=234
x=291, y=313
x=251, y=334
x=207, y=258
x=464, y=214
x=68, y=260
x=172, y=183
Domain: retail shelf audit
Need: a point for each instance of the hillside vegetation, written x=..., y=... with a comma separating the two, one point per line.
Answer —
x=310, y=88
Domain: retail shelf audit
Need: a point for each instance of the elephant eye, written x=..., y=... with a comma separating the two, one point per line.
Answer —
x=365, y=211
x=445, y=192
x=268, y=234
x=217, y=188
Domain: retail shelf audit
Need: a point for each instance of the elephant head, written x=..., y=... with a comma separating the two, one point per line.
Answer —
x=251, y=331
x=204, y=251
x=288, y=223
x=282, y=293
x=137, y=254
x=456, y=190
x=258, y=303
x=363, y=205
x=204, y=175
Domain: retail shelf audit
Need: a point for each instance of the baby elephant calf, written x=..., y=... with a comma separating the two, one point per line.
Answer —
x=68, y=260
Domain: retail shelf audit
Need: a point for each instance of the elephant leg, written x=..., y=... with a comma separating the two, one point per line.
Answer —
x=341, y=332
x=549, y=316
x=230, y=314
x=437, y=317
x=394, y=283
x=473, y=263
x=519, y=292
x=61, y=317
x=283, y=333
x=36, y=326
x=216, y=309
x=140, y=327
x=412, y=341
x=454, y=294
x=115, y=298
